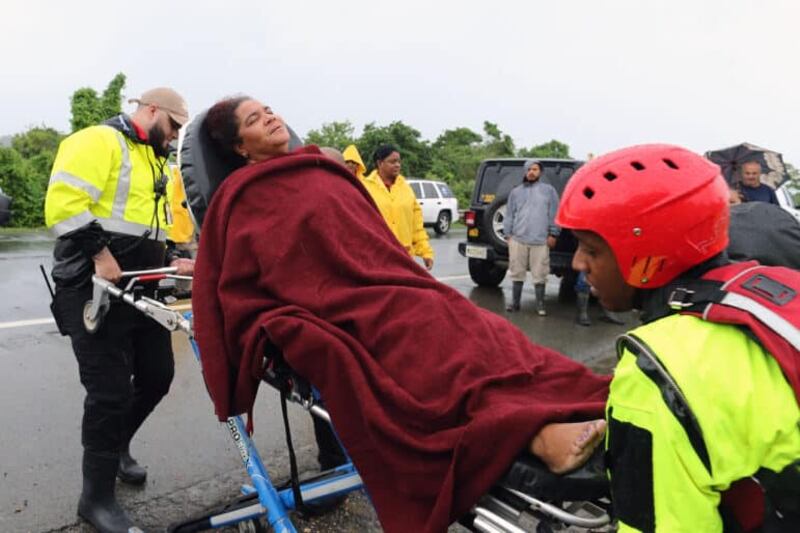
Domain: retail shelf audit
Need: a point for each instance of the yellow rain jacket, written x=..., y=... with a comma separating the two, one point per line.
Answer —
x=182, y=230
x=402, y=213
x=667, y=473
x=351, y=154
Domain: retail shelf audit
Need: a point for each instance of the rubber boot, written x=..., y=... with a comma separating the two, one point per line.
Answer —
x=539, y=287
x=130, y=471
x=516, y=292
x=612, y=317
x=97, y=505
x=583, y=309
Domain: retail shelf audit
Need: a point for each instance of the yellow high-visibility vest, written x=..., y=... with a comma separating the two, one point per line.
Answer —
x=668, y=471
x=100, y=174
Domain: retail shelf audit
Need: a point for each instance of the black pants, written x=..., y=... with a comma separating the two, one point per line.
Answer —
x=126, y=368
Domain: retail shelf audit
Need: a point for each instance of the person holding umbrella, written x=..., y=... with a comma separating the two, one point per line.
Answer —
x=751, y=187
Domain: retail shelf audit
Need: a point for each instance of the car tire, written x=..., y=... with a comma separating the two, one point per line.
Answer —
x=493, y=222
x=443, y=222
x=485, y=273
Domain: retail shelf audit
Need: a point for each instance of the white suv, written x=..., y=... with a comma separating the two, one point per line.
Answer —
x=788, y=198
x=439, y=204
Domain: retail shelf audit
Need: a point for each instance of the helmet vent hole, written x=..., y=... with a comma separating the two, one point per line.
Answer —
x=637, y=165
x=588, y=192
x=671, y=164
x=610, y=176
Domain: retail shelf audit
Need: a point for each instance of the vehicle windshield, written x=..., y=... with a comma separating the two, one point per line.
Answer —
x=499, y=177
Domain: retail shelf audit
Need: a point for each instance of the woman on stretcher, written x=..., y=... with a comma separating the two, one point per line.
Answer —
x=432, y=397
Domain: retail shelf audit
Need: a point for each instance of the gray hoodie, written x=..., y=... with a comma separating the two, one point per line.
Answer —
x=531, y=211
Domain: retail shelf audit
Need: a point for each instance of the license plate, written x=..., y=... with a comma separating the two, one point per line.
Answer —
x=476, y=252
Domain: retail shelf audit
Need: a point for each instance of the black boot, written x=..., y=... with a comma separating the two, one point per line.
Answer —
x=539, y=287
x=583, y=309
x=130, y=471
x=516, y=292
x=97, y=505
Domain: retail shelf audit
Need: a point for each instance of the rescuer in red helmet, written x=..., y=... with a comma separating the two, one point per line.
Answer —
x=695, y=406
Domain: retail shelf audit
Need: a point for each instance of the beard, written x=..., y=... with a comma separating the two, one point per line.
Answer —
x=157, y=139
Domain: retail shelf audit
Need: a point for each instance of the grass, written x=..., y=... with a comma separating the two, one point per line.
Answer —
x=19, y=231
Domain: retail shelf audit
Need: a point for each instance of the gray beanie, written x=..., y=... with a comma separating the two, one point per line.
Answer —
x=527, y=166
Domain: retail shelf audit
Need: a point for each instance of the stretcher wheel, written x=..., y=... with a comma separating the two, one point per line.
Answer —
x=251, y=526
x=91, y=324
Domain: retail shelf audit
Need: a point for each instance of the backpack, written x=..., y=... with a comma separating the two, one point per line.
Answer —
x=765, y=300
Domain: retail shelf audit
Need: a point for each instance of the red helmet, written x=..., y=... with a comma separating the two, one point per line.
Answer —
x=662, y=209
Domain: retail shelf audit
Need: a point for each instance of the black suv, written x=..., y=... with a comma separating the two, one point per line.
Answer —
x=486, y=248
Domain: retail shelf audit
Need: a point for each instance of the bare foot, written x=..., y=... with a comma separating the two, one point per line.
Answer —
x=565, y=447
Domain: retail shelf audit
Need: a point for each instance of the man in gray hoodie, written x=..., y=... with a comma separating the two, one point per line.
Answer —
x=530, y=230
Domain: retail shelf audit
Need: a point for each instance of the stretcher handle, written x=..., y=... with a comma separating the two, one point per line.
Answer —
x=151, y=277
x=164, y=270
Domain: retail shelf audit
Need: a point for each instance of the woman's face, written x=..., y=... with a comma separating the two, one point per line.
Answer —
x=595, y=258
x=263, y=133
x=389, y=168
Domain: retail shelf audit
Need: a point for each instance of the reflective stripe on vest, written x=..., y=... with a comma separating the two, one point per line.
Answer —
x=74, y=181
x=72, y=223
x=123, y=181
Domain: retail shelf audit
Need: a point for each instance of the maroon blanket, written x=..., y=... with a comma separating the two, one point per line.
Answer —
x=432, y=396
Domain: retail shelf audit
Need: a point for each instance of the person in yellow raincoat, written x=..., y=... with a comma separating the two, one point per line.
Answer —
x=353, y=161
x=182, y=230
x=397, y=203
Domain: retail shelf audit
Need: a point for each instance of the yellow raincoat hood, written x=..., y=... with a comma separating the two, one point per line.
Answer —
x=351, y=154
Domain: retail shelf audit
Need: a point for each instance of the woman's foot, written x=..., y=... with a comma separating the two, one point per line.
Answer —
x=566, y=446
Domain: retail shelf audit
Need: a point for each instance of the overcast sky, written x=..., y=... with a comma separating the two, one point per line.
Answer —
x=595, y=74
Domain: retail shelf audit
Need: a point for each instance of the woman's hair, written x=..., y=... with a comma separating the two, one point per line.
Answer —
x=223, y=127
x=382, y=152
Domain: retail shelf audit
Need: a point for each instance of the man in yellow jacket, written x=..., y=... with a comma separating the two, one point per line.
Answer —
x=398, y=205
x=108, y=204
x=695, y=406
x=353, y=161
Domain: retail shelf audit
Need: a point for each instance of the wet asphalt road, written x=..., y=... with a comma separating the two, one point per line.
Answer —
x=192, y=465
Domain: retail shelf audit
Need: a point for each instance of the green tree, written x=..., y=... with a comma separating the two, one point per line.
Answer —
x=36, y=141
x=497, y=143
x=334, y=134
x=457, y=137
x=18, y=179
x=38, y=146
x=25, y=170
x=89, y=109
x=554, y=149
x=456, y=156
x=416, y=152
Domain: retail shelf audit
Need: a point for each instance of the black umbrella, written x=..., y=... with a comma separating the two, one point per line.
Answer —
x=730, y=160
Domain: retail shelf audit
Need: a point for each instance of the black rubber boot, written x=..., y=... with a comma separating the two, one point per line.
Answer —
x=516, y=295
x=539, y=287
x=97, y=505
x=583, y=309
x=130, y=471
